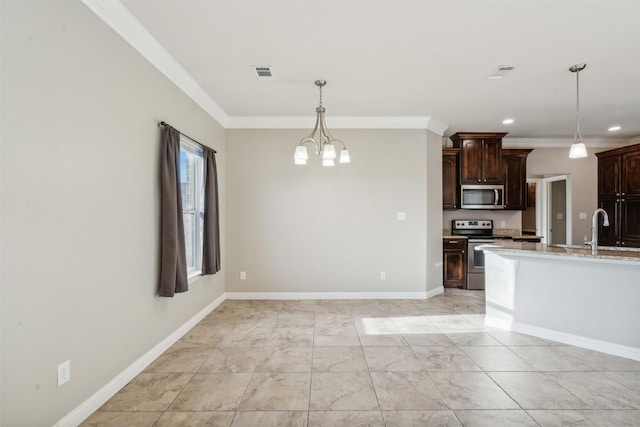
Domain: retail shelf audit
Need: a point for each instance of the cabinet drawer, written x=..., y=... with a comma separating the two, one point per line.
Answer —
x=454, y=243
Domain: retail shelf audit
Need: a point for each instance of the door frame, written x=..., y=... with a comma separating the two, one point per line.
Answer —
x=546, y=208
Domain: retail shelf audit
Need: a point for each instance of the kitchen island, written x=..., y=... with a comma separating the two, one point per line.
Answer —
x=566, y=294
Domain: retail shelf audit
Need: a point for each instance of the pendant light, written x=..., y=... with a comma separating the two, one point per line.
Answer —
x=324, y=143
x=578, y=149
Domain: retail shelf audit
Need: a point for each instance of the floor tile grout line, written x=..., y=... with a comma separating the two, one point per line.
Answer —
x=591, y=365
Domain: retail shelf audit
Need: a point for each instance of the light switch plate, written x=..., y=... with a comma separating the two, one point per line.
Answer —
x=402, y=216
x=583, y=215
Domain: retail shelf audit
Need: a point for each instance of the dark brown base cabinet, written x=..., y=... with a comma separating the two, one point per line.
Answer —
x=454, y=260
x=619, y=195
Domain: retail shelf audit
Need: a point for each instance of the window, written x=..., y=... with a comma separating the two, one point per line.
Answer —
x=192, y=186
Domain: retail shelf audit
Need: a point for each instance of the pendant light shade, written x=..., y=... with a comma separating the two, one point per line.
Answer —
x=324, y=143
x=301, y=153
x=578, y=149
x=344, y=156
x=328, y=151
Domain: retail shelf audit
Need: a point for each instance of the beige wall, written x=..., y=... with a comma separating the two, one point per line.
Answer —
x=584, y=180
x=79, y=207
x=314, y=229
x=434, y=213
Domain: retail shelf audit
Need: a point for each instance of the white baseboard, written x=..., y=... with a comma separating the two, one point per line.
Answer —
x=433, y=292
x=99, y=398
x=566, y=338
x=323, y=295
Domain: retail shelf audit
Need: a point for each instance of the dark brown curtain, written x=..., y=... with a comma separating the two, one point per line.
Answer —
x=173, y=268
x=211, y=231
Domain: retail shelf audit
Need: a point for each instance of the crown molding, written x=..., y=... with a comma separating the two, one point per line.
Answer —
x=564, y=142
x=116, y=16
x=336, y=122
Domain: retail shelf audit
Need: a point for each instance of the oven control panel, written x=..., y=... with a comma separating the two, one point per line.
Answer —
x=472, y=224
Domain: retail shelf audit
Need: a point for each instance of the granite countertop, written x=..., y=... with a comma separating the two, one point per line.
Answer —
x=606, y=254
x=525, y=237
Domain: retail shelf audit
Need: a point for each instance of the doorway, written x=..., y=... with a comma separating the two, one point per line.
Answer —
x=552, y=208
x=556, y=208
x=558, y=212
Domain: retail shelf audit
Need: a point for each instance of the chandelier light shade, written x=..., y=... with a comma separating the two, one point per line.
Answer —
x=578, y=149
x=320, y=138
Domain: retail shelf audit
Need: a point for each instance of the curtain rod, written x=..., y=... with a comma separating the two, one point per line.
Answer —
x=184, y=134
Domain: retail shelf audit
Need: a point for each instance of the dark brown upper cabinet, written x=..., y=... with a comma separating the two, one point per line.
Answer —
x=480, y=157
x=450, y=187
x=619, y=195
x=514, y=171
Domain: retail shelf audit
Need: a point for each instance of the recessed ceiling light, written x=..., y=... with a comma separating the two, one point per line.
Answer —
x=507, y=121
x=494, y=77
x=614, y=128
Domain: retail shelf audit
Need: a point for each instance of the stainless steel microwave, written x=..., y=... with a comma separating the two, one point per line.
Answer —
x=482, y=197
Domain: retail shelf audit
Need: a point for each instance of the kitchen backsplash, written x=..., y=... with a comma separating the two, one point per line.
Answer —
x=502, y=220
x=496, y=231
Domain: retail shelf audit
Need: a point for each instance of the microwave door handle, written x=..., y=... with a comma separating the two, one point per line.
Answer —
x=497, y=197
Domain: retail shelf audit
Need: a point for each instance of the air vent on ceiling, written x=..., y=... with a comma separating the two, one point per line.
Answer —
x=263, y=72
x=501, y=71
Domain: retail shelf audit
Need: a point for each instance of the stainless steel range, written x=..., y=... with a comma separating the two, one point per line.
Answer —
x=480, y=235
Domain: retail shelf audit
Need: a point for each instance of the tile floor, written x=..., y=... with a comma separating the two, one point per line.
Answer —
x=372, y=363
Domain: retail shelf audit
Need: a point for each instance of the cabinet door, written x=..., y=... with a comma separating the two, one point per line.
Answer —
x=630, y=207
x=515, y=182
x=455, y=272
x=492, y=161
x=631, y=175
x=609, y=176
x=450, y=181
x=471, y=161
x=609, y=236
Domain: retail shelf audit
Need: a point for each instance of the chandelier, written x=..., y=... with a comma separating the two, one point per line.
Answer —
x=578, y=149
x=321, y=139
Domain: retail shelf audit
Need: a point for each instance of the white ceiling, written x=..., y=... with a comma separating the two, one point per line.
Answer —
x=386, y=60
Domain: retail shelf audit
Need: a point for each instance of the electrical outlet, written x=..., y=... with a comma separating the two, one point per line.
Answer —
x=503, y=224
x=383, y=275
x=64, y=372
x=402, y=216
x=243, y=275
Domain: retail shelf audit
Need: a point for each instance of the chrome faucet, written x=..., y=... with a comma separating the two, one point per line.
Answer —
x=594, y=228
